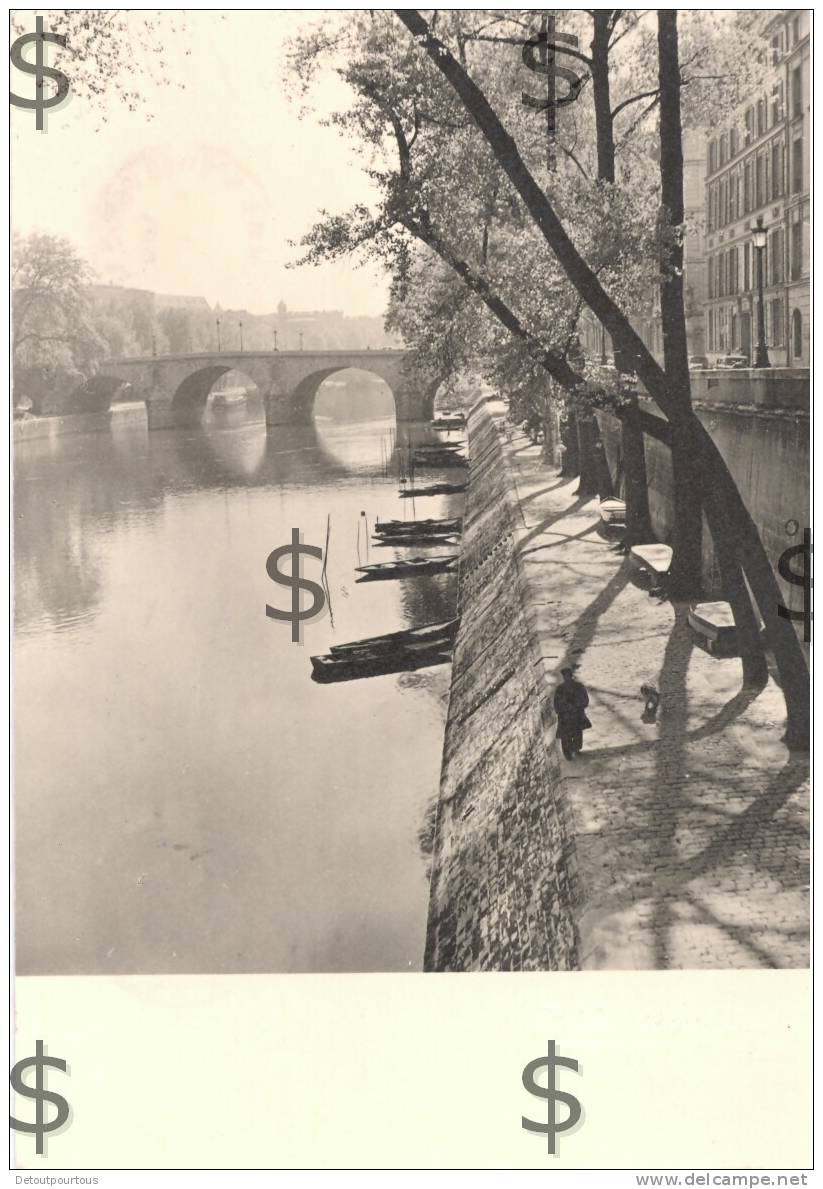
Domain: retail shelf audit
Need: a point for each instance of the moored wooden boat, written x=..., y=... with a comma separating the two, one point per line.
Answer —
x=326, y=669
x=441, y=632
x=406, y=541
x=398, y=528
x=406, y=567
x=434, y=489
x=444, y=458
x=449, y=421
x=414, y=648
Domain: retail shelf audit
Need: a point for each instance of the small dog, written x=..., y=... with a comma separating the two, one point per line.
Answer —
x=652, y=702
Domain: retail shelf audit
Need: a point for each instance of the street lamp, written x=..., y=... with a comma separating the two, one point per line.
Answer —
x=240, y=324
x=761, y=358
x=217, y=321
x=275, y=338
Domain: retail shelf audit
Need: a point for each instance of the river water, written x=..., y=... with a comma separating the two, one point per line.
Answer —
x=187, y=799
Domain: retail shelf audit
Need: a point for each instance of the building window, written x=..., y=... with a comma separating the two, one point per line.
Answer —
x=712, y=156
x=748, y=121
x=777, y=103
x=747, y=275
x=777, y=169
x=733, y=142
x=797, y=91
x=777, y=322
x=797, y=249
x=797, y=165
x=795, y=29
x=747, y=187
x=797, y=334
x=777, y=256
x=724, y=149
x=759, y=193
x=761, y=117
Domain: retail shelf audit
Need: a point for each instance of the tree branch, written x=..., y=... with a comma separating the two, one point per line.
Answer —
x=575, y=267
x=634, y=99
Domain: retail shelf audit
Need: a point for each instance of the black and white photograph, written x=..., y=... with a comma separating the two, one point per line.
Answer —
x=411, y=552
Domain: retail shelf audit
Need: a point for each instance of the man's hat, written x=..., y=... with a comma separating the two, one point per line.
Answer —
x=566, y=670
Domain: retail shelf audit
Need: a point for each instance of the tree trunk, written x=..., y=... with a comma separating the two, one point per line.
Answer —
x=638, y=513
x=587, y=454
x=687, y=531
x=781, y=636
x=547, y=421
x=604, y=123
x=568, y=436
x=755, y=668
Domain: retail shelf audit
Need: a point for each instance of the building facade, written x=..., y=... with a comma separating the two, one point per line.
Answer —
x=759, y=167
x=695, y=267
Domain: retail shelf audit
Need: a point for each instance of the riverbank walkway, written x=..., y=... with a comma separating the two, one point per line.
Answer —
x=691, y=833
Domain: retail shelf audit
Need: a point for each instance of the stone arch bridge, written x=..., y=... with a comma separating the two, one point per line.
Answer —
x=175, y=388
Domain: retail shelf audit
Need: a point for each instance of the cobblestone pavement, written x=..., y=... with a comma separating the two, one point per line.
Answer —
x=692, y=834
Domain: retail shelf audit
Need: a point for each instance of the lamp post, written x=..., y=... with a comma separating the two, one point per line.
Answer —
x=217, y=323
x=240, y=324
x=761, y=358
x=275, y=338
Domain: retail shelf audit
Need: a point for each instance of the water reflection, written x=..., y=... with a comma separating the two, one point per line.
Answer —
x=201, y=805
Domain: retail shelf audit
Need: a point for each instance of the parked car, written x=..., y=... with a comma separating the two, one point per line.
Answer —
x=697, y=362
x=731, y=361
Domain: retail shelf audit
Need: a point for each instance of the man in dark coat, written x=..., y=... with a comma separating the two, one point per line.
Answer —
x=570, y=701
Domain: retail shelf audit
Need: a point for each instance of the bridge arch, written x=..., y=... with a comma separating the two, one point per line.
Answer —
x=305, y=392
x=192, y=393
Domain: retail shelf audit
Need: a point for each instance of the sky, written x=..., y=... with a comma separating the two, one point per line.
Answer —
x=200, y=189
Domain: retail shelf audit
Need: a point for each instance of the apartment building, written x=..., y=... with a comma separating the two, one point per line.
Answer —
x=758, y=166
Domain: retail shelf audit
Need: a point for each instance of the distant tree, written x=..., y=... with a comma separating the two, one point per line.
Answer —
x=52, y=321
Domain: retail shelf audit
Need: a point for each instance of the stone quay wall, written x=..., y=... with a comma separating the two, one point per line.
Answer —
x=760, y=423
x=503, y=871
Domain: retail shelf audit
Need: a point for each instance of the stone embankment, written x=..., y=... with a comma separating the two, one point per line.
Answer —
x=679, y=843
x=27, y=429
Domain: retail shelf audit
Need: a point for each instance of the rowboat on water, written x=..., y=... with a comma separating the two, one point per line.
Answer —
x=444, y=458
x=436, y=447
x=414, y=648
x=406, y=568
x=449, y=421
x=401, y=528
x=334, y=668
x=434, y=489
x=443, y=633
x=406, y=540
